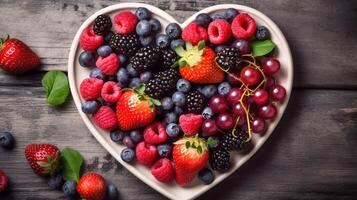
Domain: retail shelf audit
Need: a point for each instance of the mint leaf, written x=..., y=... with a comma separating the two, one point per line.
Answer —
x=71, y=161
x=261, y=48
x=56, y=86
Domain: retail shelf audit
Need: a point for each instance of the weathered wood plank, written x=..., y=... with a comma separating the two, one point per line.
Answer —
x=321, y=33
x=311, y=155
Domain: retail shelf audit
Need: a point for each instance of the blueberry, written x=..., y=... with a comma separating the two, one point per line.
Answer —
x=112, y=192
x=142, y=13
x=167, y=103
x=97, y=73
x=131, y=71
x=7, y=140
x=230, y=14
x=173, y=30
x=178, y=110
x=215, y=16
x=128, y=155
x=122, y=85
x=128, y=142
x=207, y=113
x=69, y=189
x=55, y=182
x=134, y=82
x=104, y=50
x=108, y=36
x=87, y=59
x=122, y=59
x=143, y=28
x=117, y=136
x=172, y=130
x=163, y=41
x=209, y=90
x=136, y=136
x=183, y=85
x=164, y=150
x=262, y=33
x=145, y=77
x=177, y=42
x=170, y=117
x=146, y=40
x=122, y=75
x=90, y=107
x=203, y=19
x=206, y=176
x=155, y=25
x=179, y=99
x=219, y=48
x=224, y=88
x=213, y=142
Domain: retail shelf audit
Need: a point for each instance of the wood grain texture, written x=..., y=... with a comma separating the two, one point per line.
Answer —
x=311, y=154
x=321, y=33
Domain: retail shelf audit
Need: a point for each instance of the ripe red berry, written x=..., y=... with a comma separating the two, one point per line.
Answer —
x=194, y=33
x=225, y=121
x=218, y=104
x=108, y=65
x=155, y=133
x=243, y=26
x=234, y=95
x=91, y=186
x=258, y=126
x=111, y=92
x=90, y=88
x=238, y=110
x=125, y=22
x=249, y=75
x=90, y=41
x=270, y=65
x=219, y=31
x=267, y=112
x=277, y=92
x=4, y=181
x=146, y=154
x=190, y=123
x=105, y=118
x=260, y=97
x=209, y=127
x=162, y=170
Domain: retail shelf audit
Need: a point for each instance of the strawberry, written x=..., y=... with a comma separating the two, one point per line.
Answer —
x=16, y=57
x=4, y=181
x=135, y=109
x=190, y=155
x=92, y=186
x=190, y=123
x=43, y=158
x=197, y=64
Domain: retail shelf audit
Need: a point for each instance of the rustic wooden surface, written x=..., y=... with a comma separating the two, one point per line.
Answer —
x=311, y=155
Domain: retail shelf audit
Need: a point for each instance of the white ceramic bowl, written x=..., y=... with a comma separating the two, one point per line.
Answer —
x=76, y=74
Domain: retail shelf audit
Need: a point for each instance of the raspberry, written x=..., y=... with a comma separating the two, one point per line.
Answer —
x=243, y=26
x=125, y=22
x=194, y=33
x=219, y=31
x=108, y=65
x=111, y=92
x=105, y=118
x=90, y=41
x=190, y=123
x=162, y=170
x=146, y=154
x=155, y=133
x=90, y=88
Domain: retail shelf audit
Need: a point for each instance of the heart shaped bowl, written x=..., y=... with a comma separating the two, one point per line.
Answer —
x=76, y=74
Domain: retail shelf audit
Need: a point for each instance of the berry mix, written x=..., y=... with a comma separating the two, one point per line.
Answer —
x=182, y=100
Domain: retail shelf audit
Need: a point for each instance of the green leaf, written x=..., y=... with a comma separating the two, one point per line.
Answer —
x=182, y=62
x=56, y=86
x=199, y=149
x=187, y=144
x=71, y=161
x=188, y=46
x=156, y=102
x=261, y=48
x=201, y=44
x=179, y=51
x=140, y=88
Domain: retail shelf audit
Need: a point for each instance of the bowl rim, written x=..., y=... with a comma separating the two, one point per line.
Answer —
x=168, y=17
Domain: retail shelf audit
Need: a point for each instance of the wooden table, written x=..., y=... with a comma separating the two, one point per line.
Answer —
x=311, y=155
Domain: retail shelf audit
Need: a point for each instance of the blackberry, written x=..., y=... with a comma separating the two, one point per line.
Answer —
x=144, y=59
x=102, y=24
x=228, y=57
x=235, y=141
x=219, y=160
x=125, y=44
x=195, y=102
x=162, y=84
x=169, y=57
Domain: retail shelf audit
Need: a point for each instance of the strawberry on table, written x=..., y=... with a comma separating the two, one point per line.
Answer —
x=4, y=181
x=197, y=64
x=92, y=186
x=190, y=155
x=16, y=57
x=135, y=109
x=43, y=158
